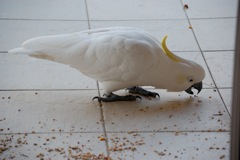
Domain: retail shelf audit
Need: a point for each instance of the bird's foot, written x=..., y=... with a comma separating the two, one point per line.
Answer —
x=113, y=97
x=143, y=92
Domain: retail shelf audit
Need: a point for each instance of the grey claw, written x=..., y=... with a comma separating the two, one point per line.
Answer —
x=157, y=95
x=138, y=97
x=153, y=94
x=98, y=98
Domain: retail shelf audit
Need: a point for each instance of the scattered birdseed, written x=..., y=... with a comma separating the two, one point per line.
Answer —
x=185, y=6
x=40, y=155
x=160, y=153
x=2, y=149
x=102, y=139
x=223, y=156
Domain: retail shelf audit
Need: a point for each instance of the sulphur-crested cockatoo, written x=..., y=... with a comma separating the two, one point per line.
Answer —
x=119, y=58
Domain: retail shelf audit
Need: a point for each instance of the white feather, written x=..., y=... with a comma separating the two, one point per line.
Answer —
x=117, y=57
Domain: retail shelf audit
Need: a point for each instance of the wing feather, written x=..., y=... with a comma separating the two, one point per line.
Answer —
x=110, y=54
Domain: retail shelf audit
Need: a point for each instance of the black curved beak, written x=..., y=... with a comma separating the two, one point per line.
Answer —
x=197, y=86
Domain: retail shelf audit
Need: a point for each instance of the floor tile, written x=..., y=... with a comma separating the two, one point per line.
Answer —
x=227, y=97
x=165, y=146
x=23, y=72
x=221, y=67
x=54, y=147
x=44, y=9
x=135, y=10
x=49, y=111
x=15, y=32
x=173, y=112
x=180, y=37
x=215, y=34
x=211, y=9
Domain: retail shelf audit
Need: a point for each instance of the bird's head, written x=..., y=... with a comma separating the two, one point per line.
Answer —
x=187, y=74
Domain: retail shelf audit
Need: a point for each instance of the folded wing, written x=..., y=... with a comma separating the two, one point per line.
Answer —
x=112, y=54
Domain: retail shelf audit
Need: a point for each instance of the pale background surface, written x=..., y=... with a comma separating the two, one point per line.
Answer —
x=46, y=109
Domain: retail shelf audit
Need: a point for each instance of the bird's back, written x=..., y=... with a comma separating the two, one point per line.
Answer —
x=109, y=54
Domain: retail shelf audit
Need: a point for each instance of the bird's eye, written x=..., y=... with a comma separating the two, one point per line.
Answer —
x=190, y=80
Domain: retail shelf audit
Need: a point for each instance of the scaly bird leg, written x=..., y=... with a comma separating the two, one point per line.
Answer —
x=113, y=97
x=143, y=92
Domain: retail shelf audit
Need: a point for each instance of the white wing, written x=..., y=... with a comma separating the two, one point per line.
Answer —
x=107, y=55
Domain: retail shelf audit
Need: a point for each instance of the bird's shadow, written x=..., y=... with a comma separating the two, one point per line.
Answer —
x=154, y=106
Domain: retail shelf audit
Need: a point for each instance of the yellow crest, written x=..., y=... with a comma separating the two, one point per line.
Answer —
x=168, y=52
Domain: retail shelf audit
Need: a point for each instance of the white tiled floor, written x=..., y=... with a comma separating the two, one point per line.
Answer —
x=215, y=34
x=46, y=109
x=135, y=10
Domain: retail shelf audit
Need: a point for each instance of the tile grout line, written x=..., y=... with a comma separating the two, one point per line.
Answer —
x=99, y=94
x=103, y=121
x=104, y=129
x=38, y=19
x=204, y=58
x=62, y=132
x=31, y=19
x=127, y=132
x=88, y=19
x=46, y=90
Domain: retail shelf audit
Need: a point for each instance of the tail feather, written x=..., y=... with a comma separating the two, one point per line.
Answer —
x=30, y=53
x=19, y=51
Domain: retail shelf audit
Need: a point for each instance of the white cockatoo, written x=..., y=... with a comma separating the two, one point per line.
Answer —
x=119, y=58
